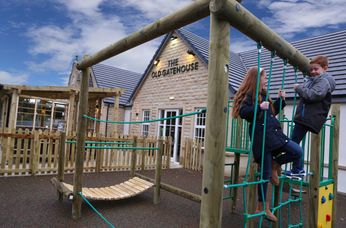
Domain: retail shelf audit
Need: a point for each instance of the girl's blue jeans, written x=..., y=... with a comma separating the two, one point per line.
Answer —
x=290, y=152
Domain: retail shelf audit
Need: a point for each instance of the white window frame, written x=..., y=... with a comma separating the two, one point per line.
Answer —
x=199, y=129
x=145, y=132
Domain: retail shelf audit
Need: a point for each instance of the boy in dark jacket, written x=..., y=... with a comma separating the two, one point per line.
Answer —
x=315, y=101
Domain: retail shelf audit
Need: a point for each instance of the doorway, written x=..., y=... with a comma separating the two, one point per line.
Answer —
x=172, y=127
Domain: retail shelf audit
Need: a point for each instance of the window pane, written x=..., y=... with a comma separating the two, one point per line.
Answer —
x=200, y=127
x=145, y=126
x=26, y=110
x=59, y=114
x=43, y=116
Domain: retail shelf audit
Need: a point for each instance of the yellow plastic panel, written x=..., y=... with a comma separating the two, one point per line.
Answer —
x=325, y=205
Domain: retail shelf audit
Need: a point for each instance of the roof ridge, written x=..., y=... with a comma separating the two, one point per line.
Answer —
x=194, y=34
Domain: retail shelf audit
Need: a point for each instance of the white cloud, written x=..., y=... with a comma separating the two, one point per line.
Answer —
x=9, y=78
x=91, y=30
x=263, y=3
x=89, y=7
x=155, y=9
x=242, y=44
x=292, y=17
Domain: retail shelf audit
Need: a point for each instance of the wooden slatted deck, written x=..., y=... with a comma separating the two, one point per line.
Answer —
x=130, y=188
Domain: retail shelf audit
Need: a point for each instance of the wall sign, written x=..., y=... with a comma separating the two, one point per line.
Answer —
x=173, y=68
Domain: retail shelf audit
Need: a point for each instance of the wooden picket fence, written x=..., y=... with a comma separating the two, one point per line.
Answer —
x=192, y=155
x=36, y=153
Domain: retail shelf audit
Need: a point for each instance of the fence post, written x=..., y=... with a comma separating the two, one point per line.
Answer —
x=61, y=162
x=144, y=143
x=35, y=152
x=98, y=159
x=158, y=171
x=133, y=158
x=168, y=151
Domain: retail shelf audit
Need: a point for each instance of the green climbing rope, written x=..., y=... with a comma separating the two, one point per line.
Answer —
x=121, y=148
x=97, y=212
x=98, y=142
x=146, y=121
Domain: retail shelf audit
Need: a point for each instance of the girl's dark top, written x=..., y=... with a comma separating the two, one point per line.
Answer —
x=275, y=138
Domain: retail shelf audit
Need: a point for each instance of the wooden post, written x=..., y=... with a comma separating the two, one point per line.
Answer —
x=80, y=138
x=98, y=116
x=158, y=171
x=71, y=114
x=98, y=160
x=133, y=158
x=168, y=144
x=251, y=198
x=4, y=112
x=144, y=144
x=214, y=156
x=98, y=133
x=35, y=152
x=116, y=115
x=314, y=181
x=234, y=191
x=335, y=164
x=61, y=161
x=13, y=111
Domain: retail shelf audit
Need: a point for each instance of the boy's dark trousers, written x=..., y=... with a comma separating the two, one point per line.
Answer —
x=298, y=134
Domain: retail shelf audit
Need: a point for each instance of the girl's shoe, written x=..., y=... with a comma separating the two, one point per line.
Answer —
x=270, y=216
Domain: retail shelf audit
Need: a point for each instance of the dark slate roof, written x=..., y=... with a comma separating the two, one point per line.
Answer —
x=111, y=77
x=332, y=45
x=201, y=48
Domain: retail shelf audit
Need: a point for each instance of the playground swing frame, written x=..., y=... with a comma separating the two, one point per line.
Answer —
x=223, y=13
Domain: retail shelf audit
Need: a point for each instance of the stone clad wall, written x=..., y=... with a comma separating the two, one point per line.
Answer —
x=189, y=89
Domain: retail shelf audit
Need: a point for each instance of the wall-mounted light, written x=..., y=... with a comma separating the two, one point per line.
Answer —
x=191, y=52
x=156, y=62
x=171, y=98
x=173, y=37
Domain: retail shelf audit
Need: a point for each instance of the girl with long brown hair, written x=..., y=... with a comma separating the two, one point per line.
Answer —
x=278, y=148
